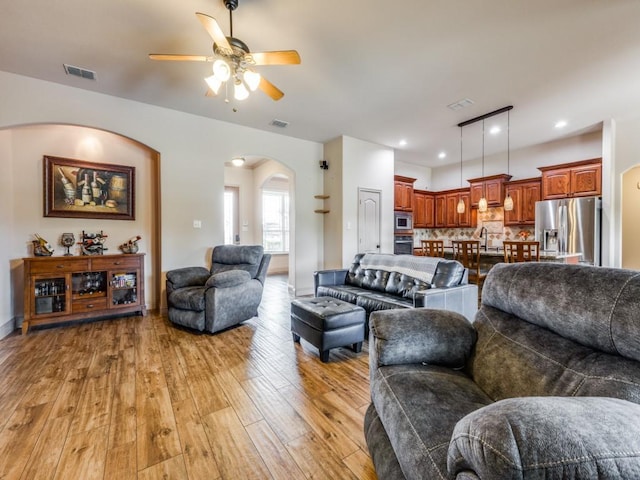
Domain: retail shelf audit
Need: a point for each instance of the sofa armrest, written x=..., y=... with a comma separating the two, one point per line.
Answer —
x=329, y=277
x=462, y=299
x=230, y=278
x=548, y=437
x=188, y=277
x=404, y=336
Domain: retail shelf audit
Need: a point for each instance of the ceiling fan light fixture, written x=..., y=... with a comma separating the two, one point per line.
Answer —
x=240, y=92
x=214, y=83
x=222, y=70
x=252, y=79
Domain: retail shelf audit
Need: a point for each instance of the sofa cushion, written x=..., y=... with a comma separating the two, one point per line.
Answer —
x=449, y=273
x=188, y=298
x=348, y=293
x=549, y=437
x=419, y=406
x=510, y=352
x=598, y=311
x=372, y=301
x=404, y=285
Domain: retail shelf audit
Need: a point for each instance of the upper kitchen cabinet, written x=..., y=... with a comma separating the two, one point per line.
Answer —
x=578, y=179
x=451, y=216
x=423, y=209
x=403, y=193
x=492, y=187
x=524, y=193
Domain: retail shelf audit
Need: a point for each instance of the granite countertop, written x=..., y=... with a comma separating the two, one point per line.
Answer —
x=499, y=252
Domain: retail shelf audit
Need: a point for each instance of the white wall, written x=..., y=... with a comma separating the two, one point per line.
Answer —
x=192, y=154
x=422, y=174
x=371, y=166
x=27, y=146
x=523, y=163
x=355, y=164
x=243, y=179
x=626, y=156
x=9, y=268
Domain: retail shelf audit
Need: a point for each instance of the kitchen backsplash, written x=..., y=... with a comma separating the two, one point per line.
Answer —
x=492, y=220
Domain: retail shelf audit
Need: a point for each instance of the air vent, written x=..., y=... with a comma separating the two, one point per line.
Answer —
x=279, y=123
x=460, y=104
x=79, y=72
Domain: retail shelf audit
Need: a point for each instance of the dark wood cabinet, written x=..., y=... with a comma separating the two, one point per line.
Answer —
x=60, y=289
x=450, y=213
x=492, y=187
x=440, y=210
x=423, y=215
x=525, y=193
x=403, y=193
x=578, y=179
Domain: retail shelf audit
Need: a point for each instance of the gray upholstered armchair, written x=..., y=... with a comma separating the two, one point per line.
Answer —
x=229, y=293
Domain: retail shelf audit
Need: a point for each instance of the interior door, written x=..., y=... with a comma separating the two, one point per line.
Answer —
x=368, y=221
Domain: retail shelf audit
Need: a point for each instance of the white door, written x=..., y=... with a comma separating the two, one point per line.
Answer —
x=368, y=221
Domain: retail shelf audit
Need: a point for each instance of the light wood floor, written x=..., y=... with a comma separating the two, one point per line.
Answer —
x=137, y=398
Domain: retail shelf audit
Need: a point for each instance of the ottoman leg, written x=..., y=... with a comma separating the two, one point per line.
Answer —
x=324, y=356
x=357, y=347
x=296, y=337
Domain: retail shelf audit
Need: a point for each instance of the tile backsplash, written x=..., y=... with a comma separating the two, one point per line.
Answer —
x=492, y=220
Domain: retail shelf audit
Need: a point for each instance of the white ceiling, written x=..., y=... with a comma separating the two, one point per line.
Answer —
x=376, y=70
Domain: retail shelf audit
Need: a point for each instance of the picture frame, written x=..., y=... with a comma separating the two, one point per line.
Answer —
x=80, y=189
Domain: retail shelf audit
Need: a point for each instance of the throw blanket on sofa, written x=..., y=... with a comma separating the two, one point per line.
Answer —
x=422, y=268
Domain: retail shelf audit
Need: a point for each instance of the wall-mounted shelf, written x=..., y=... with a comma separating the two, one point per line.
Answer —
x=322, y=197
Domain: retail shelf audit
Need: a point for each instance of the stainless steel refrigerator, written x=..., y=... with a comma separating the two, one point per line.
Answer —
x=570, y=226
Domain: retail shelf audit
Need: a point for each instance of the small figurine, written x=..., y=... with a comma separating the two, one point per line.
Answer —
x=131, y=245
x=41, y=248
x=67, y=240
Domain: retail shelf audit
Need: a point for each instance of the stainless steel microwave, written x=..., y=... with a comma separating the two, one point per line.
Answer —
x=403, y=221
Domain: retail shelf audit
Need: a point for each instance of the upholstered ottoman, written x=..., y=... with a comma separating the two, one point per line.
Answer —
x=326, y=323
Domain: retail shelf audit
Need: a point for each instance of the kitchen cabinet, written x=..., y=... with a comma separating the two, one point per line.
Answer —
x=493, y=188
x=440, y=210
x=403, y=193
x=423, y=209
x=525, y=193
x=578, y=179
x=451, y=216
x=60, y=289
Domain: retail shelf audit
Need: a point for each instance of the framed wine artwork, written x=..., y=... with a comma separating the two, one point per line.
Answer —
x=79, y=189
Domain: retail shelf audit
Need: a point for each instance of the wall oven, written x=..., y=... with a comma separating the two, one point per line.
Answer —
x=403, y=222
x=403, y=245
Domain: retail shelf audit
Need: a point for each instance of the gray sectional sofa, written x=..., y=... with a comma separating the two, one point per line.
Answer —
x=544, y=384
x=384, y=281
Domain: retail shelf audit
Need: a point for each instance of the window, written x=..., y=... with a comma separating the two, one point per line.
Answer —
x=275, y=221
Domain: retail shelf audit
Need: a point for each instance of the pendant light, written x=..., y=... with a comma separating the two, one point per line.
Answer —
x=508, y=201
x=460, y=208
x=482, y=204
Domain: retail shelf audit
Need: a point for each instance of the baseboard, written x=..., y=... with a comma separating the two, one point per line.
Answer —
x=9, y=327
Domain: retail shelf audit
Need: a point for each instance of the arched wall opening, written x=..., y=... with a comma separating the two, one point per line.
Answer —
x=250, y=180
x=629, y=212
x=23, y=148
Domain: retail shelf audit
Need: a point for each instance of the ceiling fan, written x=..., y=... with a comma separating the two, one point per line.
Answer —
x=233, y=61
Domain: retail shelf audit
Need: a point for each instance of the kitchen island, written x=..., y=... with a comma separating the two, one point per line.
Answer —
x=493, y=255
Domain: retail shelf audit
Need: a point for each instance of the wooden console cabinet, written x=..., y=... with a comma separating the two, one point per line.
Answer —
x=60, y=289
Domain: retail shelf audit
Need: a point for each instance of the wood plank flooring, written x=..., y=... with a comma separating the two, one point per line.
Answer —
x=136, y=398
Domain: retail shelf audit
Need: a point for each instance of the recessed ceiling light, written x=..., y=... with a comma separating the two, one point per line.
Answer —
x=237, y=161
x=402, y=142
x=495, y=130
x=561, y=124
x=442, y=155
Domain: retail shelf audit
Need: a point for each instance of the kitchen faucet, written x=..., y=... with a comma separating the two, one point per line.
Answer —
x=484, y=234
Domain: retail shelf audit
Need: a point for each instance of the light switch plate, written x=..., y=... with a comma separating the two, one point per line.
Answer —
x=197, y=224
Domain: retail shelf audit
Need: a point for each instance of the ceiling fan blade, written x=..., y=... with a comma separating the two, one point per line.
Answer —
x=215, y=31
x=210, y=93
x=270, y=89
x=281, y=57
x=180, y=58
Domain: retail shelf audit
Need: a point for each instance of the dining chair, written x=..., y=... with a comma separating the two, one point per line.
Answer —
x=523, y=251
x=467, y=252
x=432, y=248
